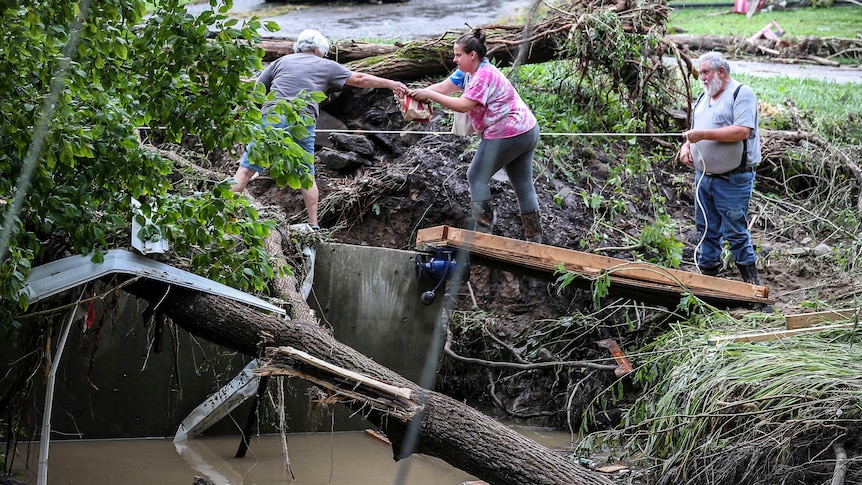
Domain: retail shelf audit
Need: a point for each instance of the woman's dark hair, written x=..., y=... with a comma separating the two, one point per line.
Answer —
x=473, y=42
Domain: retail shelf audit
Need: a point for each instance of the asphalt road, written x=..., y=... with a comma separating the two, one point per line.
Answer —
x=766, y=69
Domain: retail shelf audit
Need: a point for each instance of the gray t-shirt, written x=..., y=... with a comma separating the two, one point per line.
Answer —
x=721, y=157
x=291, y=74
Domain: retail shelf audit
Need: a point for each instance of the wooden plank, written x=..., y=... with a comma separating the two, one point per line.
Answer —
x=803, y=320
x=762, y=336
x=611, y=468
x=622, y=272
x=382, y=387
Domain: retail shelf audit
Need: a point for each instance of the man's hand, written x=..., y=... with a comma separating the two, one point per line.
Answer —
x=694, y=136
x=685, y=154
x=400, y=89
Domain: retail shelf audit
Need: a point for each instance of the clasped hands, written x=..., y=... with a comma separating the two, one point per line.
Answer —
x=421, y=94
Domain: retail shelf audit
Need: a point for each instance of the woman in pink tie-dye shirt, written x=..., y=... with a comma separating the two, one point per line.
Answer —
x=507, y=127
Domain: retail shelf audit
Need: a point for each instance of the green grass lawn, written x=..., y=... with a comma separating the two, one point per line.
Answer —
x=842, y=21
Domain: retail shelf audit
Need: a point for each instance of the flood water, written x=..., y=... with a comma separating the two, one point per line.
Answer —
x=354, y=458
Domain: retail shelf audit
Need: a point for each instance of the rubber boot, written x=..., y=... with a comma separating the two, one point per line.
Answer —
x=483, y=216
x=710, y=270
x=532, y=227
x=749, y=275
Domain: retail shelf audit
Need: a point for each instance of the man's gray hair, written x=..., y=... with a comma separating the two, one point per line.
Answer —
x=310, y=40
x=716, y=60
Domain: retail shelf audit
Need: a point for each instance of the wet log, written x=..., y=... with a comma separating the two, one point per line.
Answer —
x=812, y=50
x=704, y=42
x=340, y=51
x=433, y=58
x=448, y=429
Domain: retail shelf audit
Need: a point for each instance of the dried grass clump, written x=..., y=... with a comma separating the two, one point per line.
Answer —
x=785, y=411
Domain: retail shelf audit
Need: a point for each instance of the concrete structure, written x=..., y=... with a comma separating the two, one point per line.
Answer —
x=371, y=297
x=115, y=384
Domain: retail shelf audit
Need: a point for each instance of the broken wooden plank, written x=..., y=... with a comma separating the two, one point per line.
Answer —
x=345, y=384
x=762, y=336
x=621, y=272
x=399, y=392
x=802, y=320
x=611, y=468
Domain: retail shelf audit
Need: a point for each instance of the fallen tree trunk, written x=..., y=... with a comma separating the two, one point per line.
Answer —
x=814, y=50
x=340, y=51
x=448, y=429
x=433, y=57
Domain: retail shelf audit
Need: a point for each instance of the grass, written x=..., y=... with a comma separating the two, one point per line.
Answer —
x=744, y=410
x=826, y=107
x=835, y=99
x=841, y=21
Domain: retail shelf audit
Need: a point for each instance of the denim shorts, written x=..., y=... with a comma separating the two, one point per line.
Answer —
x=307, y=144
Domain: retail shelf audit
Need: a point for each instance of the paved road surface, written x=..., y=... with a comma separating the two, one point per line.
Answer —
x=837, y=74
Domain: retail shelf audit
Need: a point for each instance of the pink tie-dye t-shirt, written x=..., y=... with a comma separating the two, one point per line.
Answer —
x=500, y=112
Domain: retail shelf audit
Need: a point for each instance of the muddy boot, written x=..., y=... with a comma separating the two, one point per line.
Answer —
x=532, y=227
x=483, y=216
x=710, y=270
x=749, y=275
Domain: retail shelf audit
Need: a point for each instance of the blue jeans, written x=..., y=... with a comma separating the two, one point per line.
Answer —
x=307, y=144
x=721, y=211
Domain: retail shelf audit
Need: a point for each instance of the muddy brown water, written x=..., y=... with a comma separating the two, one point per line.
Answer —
x=355, y=458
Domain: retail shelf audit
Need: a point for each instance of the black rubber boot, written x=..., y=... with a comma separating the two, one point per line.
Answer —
x=532, y=227
x=710, y=270
x=749, y=275
x=483, y=216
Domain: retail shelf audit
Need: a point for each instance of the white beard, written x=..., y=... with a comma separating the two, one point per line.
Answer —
x=712, y=88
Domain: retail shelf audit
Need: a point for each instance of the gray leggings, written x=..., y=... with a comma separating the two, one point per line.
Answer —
x=515, y=155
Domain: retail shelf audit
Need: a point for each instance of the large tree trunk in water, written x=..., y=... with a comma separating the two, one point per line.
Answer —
x=449, y=430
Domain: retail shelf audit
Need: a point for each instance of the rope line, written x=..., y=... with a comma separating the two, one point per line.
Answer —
x=398, y=132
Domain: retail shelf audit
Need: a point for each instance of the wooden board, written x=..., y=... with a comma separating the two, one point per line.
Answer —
x=762, y=336
x=630, y=274
x=803, y=320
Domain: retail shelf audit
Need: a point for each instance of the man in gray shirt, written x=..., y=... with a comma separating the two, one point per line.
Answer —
x=723, y=147
x=306, y=71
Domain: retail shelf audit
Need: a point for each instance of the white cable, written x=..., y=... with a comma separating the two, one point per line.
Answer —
x=697, y=202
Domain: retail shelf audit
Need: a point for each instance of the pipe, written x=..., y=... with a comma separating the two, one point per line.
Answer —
x=49, y=397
